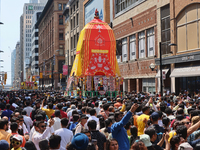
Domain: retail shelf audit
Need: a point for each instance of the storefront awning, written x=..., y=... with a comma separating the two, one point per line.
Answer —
x=186, y=72
x=158, y=74
x=140, y=76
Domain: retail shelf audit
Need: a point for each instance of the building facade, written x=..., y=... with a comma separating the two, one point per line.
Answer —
x=28, y=10
x=17, y=76
x=34, y=45
x=183, y=64
x=13, y=57
x=21, y=62
x=143, y=29
x=52, y=43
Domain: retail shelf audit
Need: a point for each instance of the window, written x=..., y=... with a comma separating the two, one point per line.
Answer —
x=74, y=41
x=123, y=4
x=59, y=6
x=188, y=28
x=150, y=42
x=71, y=42
x=77, y=19
x=141, y=37
x=71, y=24
x=64, y=5
x=61, y=50
x=71, y=10
x=60, y=19
x=77, y=36
x=148, y=85
x=74, y=22
x=60, y=36
x=165, y=29
x=74, y=7
x=77, y=4
x=132, y=47
x=124, y=49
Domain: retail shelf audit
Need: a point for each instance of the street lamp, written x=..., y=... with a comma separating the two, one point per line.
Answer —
x=1, y=22
x=152, y=66
x=161, y=79
x=1, y=51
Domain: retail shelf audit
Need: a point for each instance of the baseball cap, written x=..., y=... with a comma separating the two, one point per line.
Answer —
x=4, y=145
x=154, y=115
x=18, y=137
x=145, y=138
x=83, y=116
x=185, y=146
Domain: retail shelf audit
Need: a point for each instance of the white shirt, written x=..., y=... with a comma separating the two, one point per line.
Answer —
x=28, y=121
x=31, y=133
x=66, y=137
x=57, y=123
x=37, y=137
x=97, y=110
x=78, y=128
x=93, y=118
x=28, y=110
x=69, y=114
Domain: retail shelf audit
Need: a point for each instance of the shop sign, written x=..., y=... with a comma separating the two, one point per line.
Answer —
x=185, y=58
x=163, y=75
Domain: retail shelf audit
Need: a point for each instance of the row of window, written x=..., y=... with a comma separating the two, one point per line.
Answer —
x=74, y=40
x=75, y=6
x=28, y=21
x=28, y=17
x=28, y=40
x=123, y=4
x=28, y=35
x=28, y=26
x=28, y=30
x=74, y=21
x=29, y=12
x=34, y=7
x=61, y=6
x=141, y=46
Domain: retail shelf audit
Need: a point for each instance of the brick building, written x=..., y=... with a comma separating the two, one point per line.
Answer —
x=52, y=43
x=183, y=63
x=140, y=26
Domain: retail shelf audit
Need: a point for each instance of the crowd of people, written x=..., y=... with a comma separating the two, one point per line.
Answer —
x=47, y=120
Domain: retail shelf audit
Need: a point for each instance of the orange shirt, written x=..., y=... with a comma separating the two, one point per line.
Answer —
x=117, y=105
x=5, y=135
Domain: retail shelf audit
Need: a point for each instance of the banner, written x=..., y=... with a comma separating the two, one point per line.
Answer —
x=89, y=78
x=112, y=84
x=65, y=69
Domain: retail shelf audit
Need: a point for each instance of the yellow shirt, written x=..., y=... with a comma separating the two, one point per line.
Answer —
x=49, y=112
x=141, y=123
x=5, y=135
x=17, y=149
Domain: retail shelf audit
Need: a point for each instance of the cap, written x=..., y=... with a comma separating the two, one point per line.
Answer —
x=73, y=106
x=18, y=137
x=104, y=99
x=80, y=141
x=146, y=140
x=83, y=116
x=4, y=145
x=185, y=146
x=195, y=119
x=154, y=115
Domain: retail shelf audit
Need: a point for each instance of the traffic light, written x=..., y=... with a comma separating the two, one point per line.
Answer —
x=50, y=76
x=41, y=75
x=60, y=75
x=33, y=78
x=54, y=59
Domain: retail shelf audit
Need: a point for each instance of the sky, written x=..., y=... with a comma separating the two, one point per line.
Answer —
x=10, y=12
